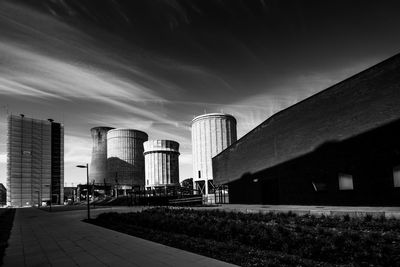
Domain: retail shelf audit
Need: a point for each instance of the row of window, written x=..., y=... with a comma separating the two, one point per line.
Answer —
x=346, y=180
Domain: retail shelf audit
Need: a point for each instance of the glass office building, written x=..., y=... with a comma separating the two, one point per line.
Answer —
x=35, y=161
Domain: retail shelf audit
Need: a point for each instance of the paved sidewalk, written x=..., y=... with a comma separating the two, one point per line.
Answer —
x=40, y=238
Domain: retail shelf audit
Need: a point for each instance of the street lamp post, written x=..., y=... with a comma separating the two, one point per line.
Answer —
x=116, y=182
x=87, y=185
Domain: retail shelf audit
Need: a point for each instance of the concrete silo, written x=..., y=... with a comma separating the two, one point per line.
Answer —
x=211, y=133
x=125, y=159
x=161, y=163
x=98, y=163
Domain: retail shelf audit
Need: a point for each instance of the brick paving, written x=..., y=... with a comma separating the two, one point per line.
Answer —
x=40, y=238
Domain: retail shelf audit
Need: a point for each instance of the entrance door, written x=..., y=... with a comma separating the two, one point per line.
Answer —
x=54, y=199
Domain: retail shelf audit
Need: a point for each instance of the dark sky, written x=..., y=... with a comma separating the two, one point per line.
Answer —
x=153, y=65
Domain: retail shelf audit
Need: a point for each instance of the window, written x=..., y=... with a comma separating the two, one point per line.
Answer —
x=319, y=186
x=199, y=174
x=396, y=176
x=345, y=181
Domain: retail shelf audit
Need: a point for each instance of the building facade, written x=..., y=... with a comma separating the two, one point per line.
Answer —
x=35, y=161
x=161, y=163
x=338, y=147
x=211, y=134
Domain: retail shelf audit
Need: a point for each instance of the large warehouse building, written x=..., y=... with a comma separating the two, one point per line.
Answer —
x=338, y=147
x=35, y=161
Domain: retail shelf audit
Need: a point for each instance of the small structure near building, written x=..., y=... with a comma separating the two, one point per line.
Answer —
x=70, y=194
x=96, y=191
x=187, y=183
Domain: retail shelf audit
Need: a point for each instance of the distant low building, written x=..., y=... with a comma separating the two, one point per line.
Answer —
x=187, y=183
x=338, y=147
x=70, y=194
x=3, y=195
x=95, y=191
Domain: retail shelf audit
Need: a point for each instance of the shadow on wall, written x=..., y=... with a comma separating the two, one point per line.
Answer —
x=356, y=171
x=124, y=173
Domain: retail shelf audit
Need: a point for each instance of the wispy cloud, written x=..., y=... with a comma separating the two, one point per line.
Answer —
x=95, y=77
x=76, y=149
x=30, y=73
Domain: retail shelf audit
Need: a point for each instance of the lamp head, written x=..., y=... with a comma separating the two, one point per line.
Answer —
x=81, y=166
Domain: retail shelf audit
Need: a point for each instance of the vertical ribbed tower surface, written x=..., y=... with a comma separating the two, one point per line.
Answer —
x=161, y=163
x=98, y=164
x=125, y=159
x=211, y=133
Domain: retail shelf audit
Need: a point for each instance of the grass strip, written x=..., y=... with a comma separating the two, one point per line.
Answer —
x=266, y=239
x=232, y=252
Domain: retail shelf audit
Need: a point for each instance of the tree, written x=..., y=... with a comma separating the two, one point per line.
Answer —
x=187, y=183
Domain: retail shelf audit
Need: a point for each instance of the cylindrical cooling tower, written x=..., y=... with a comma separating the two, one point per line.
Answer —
x=211, y=133
x=161, y=162
x=98, y=164
x=125, y=159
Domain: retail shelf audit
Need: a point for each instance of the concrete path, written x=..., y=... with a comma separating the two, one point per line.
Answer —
x=39, y=238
